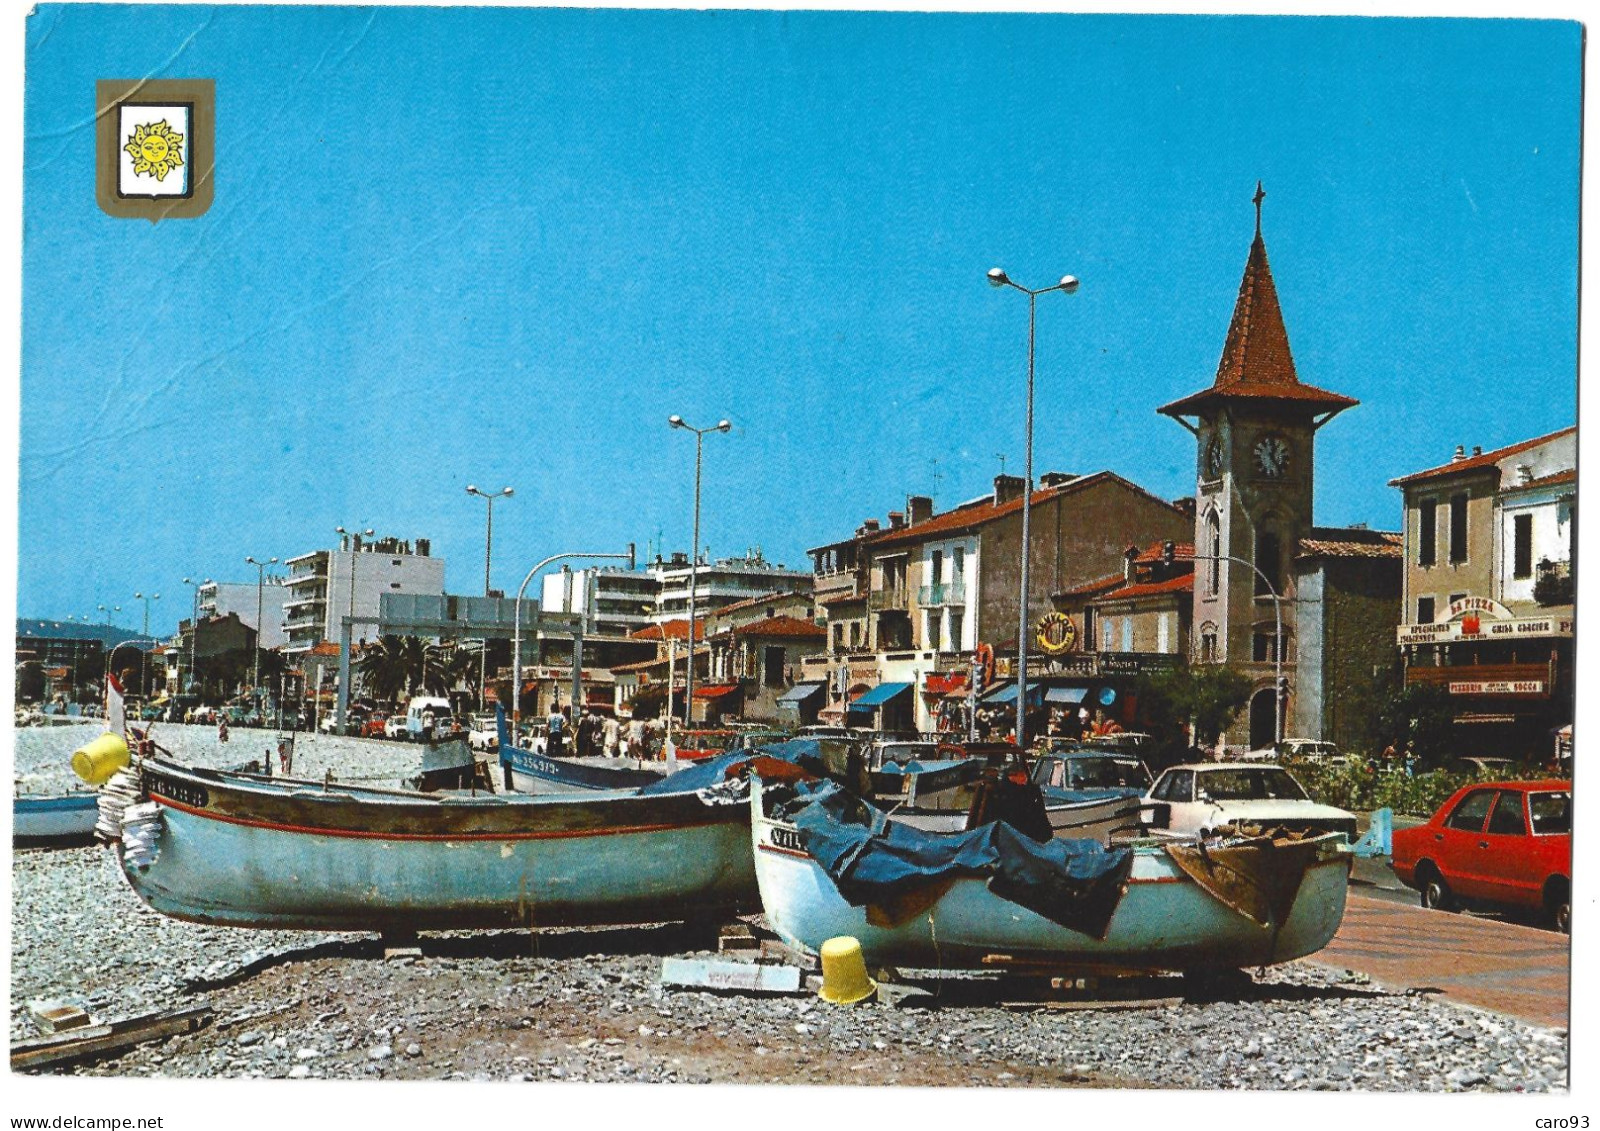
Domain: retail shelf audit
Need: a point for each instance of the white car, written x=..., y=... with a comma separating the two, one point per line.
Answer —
x=395, y=727
x=1203, y=797
x=484, y=733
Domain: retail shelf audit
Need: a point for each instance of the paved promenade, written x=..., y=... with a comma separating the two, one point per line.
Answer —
x=1505, y=967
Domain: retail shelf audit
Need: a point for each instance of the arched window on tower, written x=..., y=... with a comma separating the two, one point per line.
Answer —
x=1213, y=548
x=1269, y=560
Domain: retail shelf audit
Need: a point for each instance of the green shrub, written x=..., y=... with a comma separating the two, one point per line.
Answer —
x=1360, y=790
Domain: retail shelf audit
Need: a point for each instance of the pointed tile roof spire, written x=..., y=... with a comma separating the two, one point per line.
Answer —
x=1256, y=361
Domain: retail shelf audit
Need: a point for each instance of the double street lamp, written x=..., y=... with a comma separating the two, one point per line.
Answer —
x=261, y=581
x=144, y=665
x=488, y=530
x=676, y=421
x=1067, y=285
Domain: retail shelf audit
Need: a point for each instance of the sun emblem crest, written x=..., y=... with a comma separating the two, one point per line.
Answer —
x=155, y=150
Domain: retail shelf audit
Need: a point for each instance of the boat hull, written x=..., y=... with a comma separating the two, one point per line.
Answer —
x=350, y=860
x=1164, y=921
x=69, y=817
x=532, y=772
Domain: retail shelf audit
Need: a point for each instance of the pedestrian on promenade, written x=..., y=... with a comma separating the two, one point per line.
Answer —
x=222, y=728
x=636, y=737
x=613, y=736
x=581, y=732
x=555, y=732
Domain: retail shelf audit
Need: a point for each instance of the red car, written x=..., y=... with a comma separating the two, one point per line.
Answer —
x=1502, y=843
x=373, y=727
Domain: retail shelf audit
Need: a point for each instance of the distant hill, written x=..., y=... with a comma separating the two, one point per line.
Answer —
x=108, y=634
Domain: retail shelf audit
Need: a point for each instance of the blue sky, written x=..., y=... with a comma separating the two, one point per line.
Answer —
x=502, y=246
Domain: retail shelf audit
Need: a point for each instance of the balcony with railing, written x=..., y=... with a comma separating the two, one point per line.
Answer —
x=942, y=593
x=1553, y=584
x=879, y=600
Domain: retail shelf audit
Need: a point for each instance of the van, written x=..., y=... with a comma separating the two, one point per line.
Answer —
x=428, y=714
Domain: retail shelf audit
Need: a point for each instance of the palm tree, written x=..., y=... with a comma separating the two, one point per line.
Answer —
x=463, y=667
x=393, y=667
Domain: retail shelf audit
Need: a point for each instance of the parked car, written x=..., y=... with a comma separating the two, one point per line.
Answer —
x=1092, y=771
x=1507, y=844
x=373, y=726
x=484, y=733
x=395, y=727
x=1205, y=796
x=900, y=753
x=1475, y=766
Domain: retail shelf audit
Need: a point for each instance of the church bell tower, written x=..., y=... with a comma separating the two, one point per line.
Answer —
x=1255, y=429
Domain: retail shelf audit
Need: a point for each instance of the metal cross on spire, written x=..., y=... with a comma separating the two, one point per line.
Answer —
x=1261, y=194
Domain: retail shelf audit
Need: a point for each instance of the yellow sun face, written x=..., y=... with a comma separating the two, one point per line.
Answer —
x=155, y=150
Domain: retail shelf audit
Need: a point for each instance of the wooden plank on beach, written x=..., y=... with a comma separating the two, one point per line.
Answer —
x=108, y=1038
x=745, y=977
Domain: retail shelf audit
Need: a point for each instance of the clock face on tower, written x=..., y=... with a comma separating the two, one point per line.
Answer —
x=1213, y=459
x=1272, y=455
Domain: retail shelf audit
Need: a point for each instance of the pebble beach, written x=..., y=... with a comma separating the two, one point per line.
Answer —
x=588, y=1005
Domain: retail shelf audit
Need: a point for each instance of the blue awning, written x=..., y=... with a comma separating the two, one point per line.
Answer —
x=880, y=695
x=1066, y=695
x=1008, y=694
x=799, y=693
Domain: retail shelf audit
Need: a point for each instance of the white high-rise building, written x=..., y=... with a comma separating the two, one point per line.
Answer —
x=219, y=598
x=325, y=586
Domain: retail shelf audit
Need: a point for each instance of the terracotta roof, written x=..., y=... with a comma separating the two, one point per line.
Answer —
x=670, y=630
x=1335, y=542
x=1180, y=584
x=1568, y=476
x=781, y=626
x=658, y=662
x=1477, y=463
x=325, y=648
x=970, y=517
x=1181, y=551
x=1256, y=361
x=841, y=598
x=1089, y=588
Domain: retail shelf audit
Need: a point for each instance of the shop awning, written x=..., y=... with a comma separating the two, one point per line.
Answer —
x=799, y=693
x=717, y=691
x=1066, y=694
x=1008, y=693
x=879, y=695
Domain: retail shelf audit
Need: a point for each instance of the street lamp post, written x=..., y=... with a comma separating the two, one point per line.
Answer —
x=347, y=544
x=488, y=528
x=1067, y=285
x=516, y=631
x=144, y=665
x=194, y=629
x=255, y=668
x=694, y=552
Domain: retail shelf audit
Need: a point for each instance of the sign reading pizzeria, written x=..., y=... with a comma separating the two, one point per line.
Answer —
x=1056, y=634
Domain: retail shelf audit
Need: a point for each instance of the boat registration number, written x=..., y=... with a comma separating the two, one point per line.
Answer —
x=787, y=838
x=184, y=793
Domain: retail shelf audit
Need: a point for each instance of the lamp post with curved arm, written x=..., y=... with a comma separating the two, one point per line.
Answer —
x=1067, y=285
x=1277, y=637
x=676, y=421
x=488, y=529
x=516, y=630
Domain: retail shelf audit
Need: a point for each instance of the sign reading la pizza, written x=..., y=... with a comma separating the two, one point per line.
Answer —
x=1056, y=634
x=1465, y=619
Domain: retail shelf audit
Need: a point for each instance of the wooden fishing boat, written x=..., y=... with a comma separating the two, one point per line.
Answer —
x=58, y=818
x=236, y=849
x=528, y=771
x=1182, y=906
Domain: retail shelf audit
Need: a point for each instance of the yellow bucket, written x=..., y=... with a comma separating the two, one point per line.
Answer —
x=844, y=972
x=96, y=762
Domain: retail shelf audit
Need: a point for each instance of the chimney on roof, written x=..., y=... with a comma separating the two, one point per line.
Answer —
x=1461, y=454
x=1056, y=478
x=919, y=508
x=897, y=519
x=1477, y=449
x=423, y=546
x=1007, y=488
x=870, y=526
x=1524, y=474
x=1129, y=556
x=1186, y=505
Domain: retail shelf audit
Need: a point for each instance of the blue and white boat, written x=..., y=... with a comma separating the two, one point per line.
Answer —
x=236, y=849
x=532, y=771
x=58, y=818
x=1158, y=906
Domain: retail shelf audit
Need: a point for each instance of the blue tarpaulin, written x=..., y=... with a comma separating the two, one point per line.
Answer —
x=801, y=751
x=876, y=862
x=1066, y=695
x=1008, y=694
